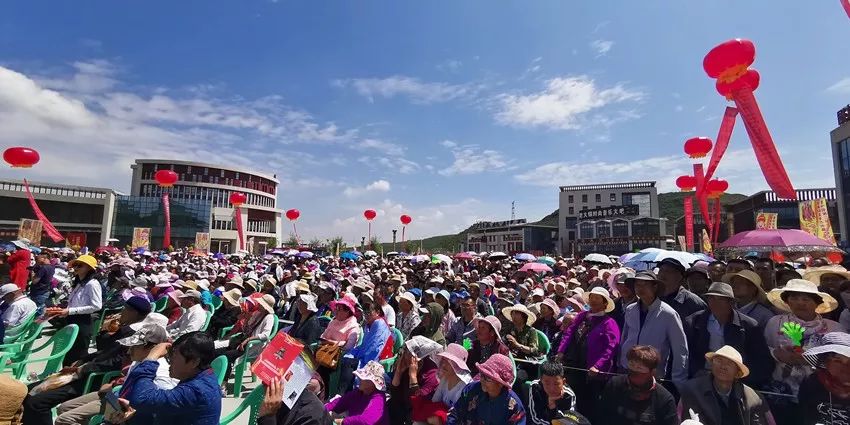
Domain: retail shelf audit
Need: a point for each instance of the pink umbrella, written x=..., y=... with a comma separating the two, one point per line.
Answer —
x=780, y=240
x=463, y=256
x=535, y=268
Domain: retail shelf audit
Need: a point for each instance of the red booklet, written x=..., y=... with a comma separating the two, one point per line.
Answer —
x=276, y=358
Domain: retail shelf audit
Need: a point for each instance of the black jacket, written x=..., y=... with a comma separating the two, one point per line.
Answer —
x=222, y=318
x=110, y=355
x=307, y=410
x=308, y=332
x=742, y=333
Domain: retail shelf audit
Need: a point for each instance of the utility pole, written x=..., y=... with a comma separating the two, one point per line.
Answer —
x=394, y=232
x=362, y=243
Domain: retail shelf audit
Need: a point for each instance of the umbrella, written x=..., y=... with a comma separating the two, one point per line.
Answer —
x=392, y=254
x=463, y=256
x=780, y=240
x=277, y=251
x=420, y=258
x=497, y=256
x=597, y=258
x=655, y=256
x=536, y=268
x=441, y=258
x=627, y=257
x=370, y=254
x=549, y=261
x=704, y=257
x=218, y=256
x=305, y=254
x=139, y=251
x=349, y=255
x=525, y=257
x=291, y=252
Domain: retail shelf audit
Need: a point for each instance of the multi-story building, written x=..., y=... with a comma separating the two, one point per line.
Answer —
x=83, y=215
x=511, y=237
x=840, y=138
x=609, y=218
x=787, y=211
x=200, y=202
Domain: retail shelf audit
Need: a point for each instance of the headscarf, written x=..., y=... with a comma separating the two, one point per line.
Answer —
x=432, y=329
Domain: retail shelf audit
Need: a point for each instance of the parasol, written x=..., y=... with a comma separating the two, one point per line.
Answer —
x=789, y=241
x=597, y=258
x=536, y=268
x=525, y=257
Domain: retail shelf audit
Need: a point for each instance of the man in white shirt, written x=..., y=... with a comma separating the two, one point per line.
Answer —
x=193, y=318
x=16, y=306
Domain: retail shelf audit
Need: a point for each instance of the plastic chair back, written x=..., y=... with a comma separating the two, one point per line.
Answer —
x=543, y=343
x=398, y=340
x=219, y=367
x=62, y=342
x=253, y=401
x=216, y=302
x=207, y=322
x=160, y=304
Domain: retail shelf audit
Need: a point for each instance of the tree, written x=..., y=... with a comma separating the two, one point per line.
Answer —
x=292, y=241
x=374, y=242
x=272, y=242
x=315, y=242
x=336, y=242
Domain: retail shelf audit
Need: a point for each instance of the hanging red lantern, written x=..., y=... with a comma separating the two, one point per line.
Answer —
x=686, y=183
x=20, y=157
x=165, y=178
x=750, y=79
x=293, y=214
x=370, y=215
x=729, y=61
x=716, y=187
x=405, y=219
x=238, y=198
x=835, y=257
x=698, y=147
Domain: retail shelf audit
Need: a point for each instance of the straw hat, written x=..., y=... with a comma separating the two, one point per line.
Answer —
x=232, y=297
x=805, y=287
x=236, y=281
x=749, y=276
x=190, y=284
x=815, y=273
x=267, y=303
x=730, y=353
x=530, y=317
x=602, y=292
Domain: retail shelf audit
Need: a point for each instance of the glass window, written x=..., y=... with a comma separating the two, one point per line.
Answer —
x=571, y=210
x=613, y=197
x=570, y=199
x=598, y=197
x=584, y=199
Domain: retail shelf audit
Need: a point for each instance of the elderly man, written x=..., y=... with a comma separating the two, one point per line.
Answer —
x=720, y=398
x=672, y=274
x=193, y=319
x=16, y=306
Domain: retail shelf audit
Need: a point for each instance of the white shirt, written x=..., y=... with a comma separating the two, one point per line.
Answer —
x=263, y=331
x=446, y=395
x=163, y=379
x=18, y=311
x=191, y=321
x=85, y=298
x=389, y=314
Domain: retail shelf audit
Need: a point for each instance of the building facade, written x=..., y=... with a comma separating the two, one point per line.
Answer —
x=840, y=141
x=787, y=211
x=512, y=237
x=83, y=215
x=609, y=218
x=200, y=203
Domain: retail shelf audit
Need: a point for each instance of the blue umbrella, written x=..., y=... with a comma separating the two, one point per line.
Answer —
x=525, y=257
x=218, y=256
x=349, y=255
x=139, y=251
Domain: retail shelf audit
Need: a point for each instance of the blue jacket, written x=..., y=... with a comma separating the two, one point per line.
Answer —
x=661, y=329
x=374, y=339
x=193, y=402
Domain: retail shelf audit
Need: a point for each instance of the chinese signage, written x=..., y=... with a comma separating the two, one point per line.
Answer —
x=814, y=219
x=489, y=224
x=767, y=221
x=141, y=237
x=30, y=230
x=618, y=211
x=202, y=242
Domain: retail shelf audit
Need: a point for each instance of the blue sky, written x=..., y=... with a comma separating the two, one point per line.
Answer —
x=443, y=110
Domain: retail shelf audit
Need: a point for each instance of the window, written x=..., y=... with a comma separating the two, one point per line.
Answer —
x=584, y=199
x=598, y=197
x=613, y=197
x=584, y=208
x=571, y=211
x=570, y=199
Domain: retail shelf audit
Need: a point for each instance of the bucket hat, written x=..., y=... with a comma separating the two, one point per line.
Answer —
x=498, y=368
x=530, y=317
x=732, y=354
x=372, y=371
x=456, y=355
x=827, y=304
x=602, y=292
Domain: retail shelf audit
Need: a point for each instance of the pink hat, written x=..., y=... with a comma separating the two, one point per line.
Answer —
x=494, y=323
x=175, y=295
x=345, y=301
x=456, y=355
x=548, y=302
x=498, y=368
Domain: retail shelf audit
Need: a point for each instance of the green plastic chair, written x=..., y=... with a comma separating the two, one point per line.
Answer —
x=104, y=378
x=96, y=420
x=19, y=349
x=160, y=304
x=253, y=402
x=207, y=322
x=14, y=333
x=219, y=367
x=216, y=302
x=398, y=342
x=513, y=363
x=60, y=343
x=243, y=361
x=224, y=331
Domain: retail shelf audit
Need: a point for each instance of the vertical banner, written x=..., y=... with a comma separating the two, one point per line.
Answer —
x=814, y=219
x=706, y=242
x=238, y=216
x=766, y=221
x=166, y=209
x=202, y=242
x=689, y=223
x=30, y=230
x=76, y=239
x=722, y=142
x=46, y=224
x=141, y=237
x=682, y=244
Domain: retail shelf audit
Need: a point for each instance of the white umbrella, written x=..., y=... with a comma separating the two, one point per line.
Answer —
x=597, y=258
x=370, y=254
x=420, y=258
x=442, y=258
x=497, y=255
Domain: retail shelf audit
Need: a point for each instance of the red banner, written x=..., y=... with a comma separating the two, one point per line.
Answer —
x=166, y=209
x=722, y=142
x=846, y=5
x=701, y=196
x=46, y=224
x=765, y=149
x=76, y=239
x=716, y=229
x=239, y=229
x=689, y=223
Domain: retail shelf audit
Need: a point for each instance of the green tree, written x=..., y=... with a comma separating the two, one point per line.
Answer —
x=374, y=242
x=336, y=241
x=292, y=241
x=315, y=242
x=272, y=242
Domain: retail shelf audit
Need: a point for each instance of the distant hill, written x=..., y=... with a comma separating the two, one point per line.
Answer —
x=669, y=206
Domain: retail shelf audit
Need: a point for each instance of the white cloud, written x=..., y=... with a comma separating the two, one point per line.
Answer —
x=381, y=146
x=563, y=104
x=387, y=164
x=601, y=47
x=471, y=159
x=375, y=186
x=842, y=86
x=399, y=85
x=90, y=77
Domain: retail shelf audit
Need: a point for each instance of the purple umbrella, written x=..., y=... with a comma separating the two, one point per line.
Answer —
x=780, y=240
x=536, y=268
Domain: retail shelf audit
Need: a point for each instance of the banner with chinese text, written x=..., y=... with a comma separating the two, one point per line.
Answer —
x=767, y=221
x=141, y=237
x=814, y=219
x=30, y=230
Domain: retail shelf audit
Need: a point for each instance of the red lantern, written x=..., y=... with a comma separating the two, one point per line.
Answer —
x=777, y=257
x=20, y=157
x=405, y=219
x=716, y=187
x=686, y=183
x=293, y=215
x=370, y=215
x=698, y=147
x=165, y=178
x=751, y=79
x=238, y=198
x=834, y=257
x=729, y=61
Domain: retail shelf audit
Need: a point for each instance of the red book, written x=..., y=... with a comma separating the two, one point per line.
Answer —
x=276, y=358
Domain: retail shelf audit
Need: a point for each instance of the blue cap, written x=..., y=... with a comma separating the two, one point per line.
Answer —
x=416, y=293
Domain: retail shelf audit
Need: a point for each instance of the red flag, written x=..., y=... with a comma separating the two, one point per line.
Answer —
x=689, y=223
x=701, y=196
x=166, y=209
x=46, y=225
x=239, y=229
x=722, y=142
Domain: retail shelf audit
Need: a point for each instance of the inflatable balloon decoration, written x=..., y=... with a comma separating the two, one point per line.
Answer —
x=22, y=157
x=237, y=199
x=405, y=220
x=166, y=179
x=293, y=215
x=370, y=215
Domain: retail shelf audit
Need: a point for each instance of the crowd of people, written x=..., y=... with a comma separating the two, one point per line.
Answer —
x=474, y=341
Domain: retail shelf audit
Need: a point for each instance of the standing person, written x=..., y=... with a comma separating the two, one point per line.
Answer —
x=627, y=298
x=16, y=307
x=672, y=274
x=653, y=322
x=408, y=317
x=85, y=299
x=637, y=398
x=464, y=328
x=751, y=298
x=487, y=343
x=19, y=263
x=41, y=281
x=550, y=398
x=825, y=394
x=591, y=342
x=720, y=398
x=489, y=401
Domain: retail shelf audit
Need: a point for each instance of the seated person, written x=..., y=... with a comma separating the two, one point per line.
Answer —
x=110, y=356
x=196, y=400
x=173, y=310
x=489, y=401
x=17, y=307
x=825, y=394
x=258, y=328
x=307, y=410
x=487, y=342
x=226, y=314
x=550, y=398
x=365, y=405
x=194, y=317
